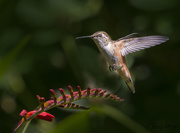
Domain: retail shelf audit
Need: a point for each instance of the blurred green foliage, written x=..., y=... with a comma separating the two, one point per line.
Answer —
x=38, y=51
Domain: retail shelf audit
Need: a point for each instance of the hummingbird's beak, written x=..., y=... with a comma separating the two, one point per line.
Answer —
x=84, y=37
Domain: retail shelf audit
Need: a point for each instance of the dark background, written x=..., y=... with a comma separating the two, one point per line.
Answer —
x=38, y=52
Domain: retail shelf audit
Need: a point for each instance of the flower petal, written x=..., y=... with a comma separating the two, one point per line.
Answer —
x=45, y=116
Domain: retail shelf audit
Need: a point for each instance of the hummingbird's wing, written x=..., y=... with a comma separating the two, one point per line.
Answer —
x=135, y=44
x=128, y=36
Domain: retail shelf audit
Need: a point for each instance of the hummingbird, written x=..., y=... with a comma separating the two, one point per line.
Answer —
x=115, y=51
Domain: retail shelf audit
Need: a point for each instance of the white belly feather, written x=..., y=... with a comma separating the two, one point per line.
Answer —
x=107, y=51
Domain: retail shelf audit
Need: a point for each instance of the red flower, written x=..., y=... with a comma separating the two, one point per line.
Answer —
x=44, y=116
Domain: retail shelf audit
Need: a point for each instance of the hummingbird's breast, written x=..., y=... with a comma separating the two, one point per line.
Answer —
x=107, y=51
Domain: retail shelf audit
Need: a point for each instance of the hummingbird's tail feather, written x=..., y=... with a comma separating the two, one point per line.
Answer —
x=130, y=86
x=125, y=74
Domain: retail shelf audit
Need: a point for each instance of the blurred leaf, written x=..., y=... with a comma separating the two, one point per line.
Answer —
x=153, y=5
x=6, y=61
x=45, y=13
x=77, y=10
x=72, y=53
x=76, y=123
x=122, y=119
x=81, y=122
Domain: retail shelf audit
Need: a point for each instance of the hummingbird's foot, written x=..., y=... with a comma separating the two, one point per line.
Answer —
x=110, y=68
x=114, y=67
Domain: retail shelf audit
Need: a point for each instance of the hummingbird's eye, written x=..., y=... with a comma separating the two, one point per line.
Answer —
x=100, y=35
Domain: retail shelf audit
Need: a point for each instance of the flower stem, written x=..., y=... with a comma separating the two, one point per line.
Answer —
x=26, y=126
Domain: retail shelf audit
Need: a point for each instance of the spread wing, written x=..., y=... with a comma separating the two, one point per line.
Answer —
x=135, y=44
x=132, y=35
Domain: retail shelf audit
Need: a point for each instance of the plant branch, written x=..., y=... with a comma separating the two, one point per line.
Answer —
x=64, y=101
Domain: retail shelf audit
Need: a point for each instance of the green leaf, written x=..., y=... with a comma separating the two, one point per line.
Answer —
x=6, y=61
x=123, y=119
x=82, y=122
x=76, y=123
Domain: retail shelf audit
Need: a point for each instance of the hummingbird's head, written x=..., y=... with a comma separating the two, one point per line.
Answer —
x=100, y=37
